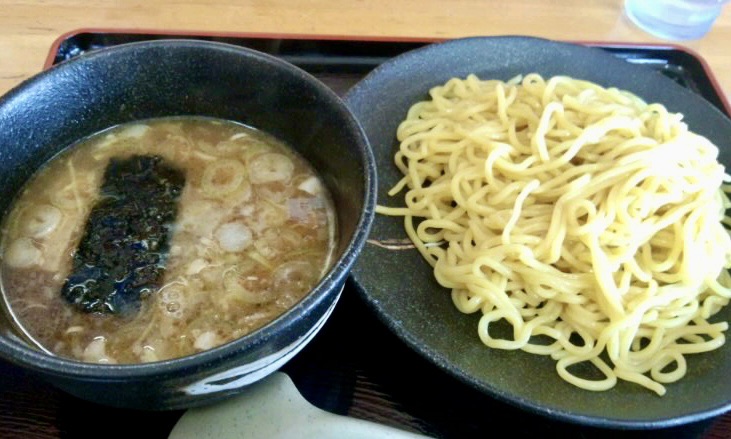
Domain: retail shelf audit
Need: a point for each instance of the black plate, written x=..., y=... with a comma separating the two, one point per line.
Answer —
x=400, y=286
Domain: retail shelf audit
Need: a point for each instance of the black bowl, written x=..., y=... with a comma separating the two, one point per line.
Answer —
x=171, y=78
x=399, y=285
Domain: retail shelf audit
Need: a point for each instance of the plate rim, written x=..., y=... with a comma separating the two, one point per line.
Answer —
x=435, y=356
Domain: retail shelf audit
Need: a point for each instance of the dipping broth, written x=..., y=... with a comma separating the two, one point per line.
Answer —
x=252, y=231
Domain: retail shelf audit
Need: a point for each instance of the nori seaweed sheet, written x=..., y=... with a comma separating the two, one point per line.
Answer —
x=121, y=256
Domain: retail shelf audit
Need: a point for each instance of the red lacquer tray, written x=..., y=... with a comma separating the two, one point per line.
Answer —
x=354, y=366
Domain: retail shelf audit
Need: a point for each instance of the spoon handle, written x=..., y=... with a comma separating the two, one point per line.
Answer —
x=274, y=408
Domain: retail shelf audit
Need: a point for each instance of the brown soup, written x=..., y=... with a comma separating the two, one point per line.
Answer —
x=254, y=231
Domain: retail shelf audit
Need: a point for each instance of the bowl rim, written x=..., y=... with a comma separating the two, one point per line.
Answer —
x=25, y=356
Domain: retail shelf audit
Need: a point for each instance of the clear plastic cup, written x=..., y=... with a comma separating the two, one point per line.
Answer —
x=674, y=19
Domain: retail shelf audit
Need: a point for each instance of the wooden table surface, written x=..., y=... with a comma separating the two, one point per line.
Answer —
x=28, y=28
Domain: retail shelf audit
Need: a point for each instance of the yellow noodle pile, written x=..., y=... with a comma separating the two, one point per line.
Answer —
x=588, y=220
